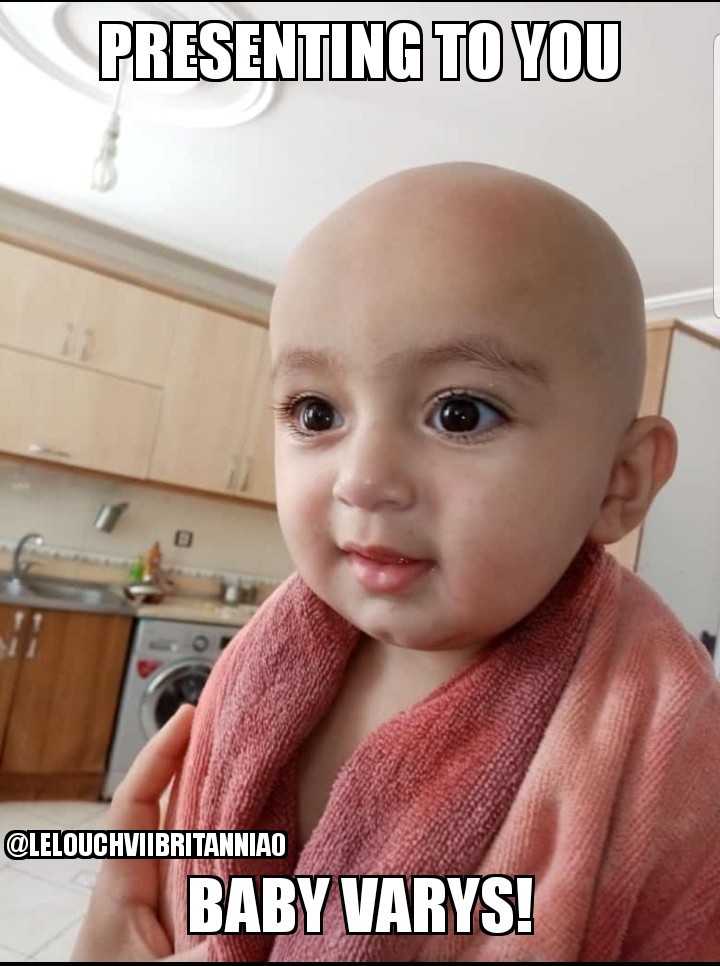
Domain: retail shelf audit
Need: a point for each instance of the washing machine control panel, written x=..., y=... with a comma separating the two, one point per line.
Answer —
x=177, y=638
x=163, y=644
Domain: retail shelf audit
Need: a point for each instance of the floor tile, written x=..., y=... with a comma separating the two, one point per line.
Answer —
x=33, y=912
x=44, y=815
x=19, y=815
x=58, y=950
x=68, y=814
x=73, y=873
x=23, y=815
x=85, y=878
x=98, y=820
x=10, y=955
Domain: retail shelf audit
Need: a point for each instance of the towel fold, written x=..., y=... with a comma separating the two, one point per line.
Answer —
x=583, y=748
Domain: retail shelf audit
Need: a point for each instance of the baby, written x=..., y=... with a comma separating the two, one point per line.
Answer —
x=457, y=680
x=470, y=346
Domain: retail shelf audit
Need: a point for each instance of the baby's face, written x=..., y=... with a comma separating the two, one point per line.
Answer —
x=447, y=413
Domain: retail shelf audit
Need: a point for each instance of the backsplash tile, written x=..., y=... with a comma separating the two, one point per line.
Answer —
x=62, y=505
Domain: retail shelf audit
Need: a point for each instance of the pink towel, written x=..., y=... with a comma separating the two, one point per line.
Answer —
x=584, y=749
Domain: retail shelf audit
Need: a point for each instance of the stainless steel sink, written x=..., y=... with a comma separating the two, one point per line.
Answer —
x=55, y=592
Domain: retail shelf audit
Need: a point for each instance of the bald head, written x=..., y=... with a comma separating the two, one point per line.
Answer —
x=498, y=244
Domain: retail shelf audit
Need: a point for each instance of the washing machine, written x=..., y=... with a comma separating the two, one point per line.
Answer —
x=168, y=665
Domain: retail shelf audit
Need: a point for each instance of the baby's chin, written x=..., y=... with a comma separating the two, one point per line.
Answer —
x=414, y=619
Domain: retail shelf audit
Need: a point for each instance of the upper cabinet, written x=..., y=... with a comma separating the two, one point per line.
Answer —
x=116, y=378
x=77, y=316
x=124, y=330
x=207, y=403
x=257, y=480
x=41, y=300
x=60, y=413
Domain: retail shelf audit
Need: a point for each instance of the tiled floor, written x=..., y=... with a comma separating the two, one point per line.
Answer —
x=43, y=901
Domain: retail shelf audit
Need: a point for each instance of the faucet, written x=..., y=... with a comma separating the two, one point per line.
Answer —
x=19, y=570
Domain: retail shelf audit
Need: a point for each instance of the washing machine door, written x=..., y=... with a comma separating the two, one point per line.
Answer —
x=176, y=684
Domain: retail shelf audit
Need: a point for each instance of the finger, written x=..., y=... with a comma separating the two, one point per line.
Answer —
x=196, y=954
x=135, y=806
x=135, y=803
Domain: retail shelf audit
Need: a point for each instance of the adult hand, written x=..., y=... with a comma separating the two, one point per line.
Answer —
x=122, y=924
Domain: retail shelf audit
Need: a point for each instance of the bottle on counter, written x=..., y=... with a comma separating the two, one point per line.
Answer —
x=153, y=562
x=136, y=570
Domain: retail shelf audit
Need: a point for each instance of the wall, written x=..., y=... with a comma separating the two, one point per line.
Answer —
x=27, y=221
x=229, y=537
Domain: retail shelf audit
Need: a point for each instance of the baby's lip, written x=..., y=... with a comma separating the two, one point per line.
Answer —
x=380, y=553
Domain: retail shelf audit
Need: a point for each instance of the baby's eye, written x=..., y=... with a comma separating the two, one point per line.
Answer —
x=314, y=417
x=461, y=414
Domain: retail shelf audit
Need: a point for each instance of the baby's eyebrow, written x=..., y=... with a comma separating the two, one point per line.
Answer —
x=489, y=352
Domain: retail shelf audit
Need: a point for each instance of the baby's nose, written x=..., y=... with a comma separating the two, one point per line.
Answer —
x=374, y=470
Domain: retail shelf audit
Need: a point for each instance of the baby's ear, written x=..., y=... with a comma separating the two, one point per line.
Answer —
x=643, y=465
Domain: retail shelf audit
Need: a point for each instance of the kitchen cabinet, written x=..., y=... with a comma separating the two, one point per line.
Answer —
x=677, y=548
x=60, y=680
x=131, y=382
x=207, y=402
x=83, y=318
x=12, y=621
x=257, y=480
x=40, y=302
x=125, y=330
x=76, y=416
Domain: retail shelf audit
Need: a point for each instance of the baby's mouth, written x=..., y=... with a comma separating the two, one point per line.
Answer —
x=382, y=570
x=381, y=554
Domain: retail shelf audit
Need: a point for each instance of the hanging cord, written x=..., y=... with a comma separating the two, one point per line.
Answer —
x=104, y=175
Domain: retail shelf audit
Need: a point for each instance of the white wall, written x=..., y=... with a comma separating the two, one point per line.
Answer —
x=62, y=505
x=680, y=548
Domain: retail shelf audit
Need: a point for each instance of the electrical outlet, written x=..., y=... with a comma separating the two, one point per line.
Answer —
x=183, y=538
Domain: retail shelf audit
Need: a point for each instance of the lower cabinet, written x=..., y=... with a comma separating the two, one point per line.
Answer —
x=60, y=680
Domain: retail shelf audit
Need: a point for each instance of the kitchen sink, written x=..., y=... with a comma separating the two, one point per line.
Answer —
x=65, y=594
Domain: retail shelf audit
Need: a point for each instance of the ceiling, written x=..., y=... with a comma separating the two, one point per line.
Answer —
x=638, y=149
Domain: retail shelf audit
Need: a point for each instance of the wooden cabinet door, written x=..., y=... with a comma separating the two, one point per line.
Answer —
x=207, y=402
x=257, y=479
x=58, y=412
x=66, y=693
x=13, y=622
x=40, y=300
x=75, y=315
x=124, y=329
x=658, y=343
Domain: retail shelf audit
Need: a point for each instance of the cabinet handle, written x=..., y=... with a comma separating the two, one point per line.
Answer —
x=67, y=344
x=19, y=620
x=231, y=476
x=85, y=351
x=39, y=449
x=37, y=620
x=246, y=474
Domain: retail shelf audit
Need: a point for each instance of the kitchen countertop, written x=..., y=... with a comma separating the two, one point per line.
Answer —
x=198, y=609
x=107, y=598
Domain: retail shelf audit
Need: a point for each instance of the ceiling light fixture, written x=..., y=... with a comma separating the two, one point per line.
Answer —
x=61, y=40
x=104, y=175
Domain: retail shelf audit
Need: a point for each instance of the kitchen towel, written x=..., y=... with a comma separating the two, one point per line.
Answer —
x=583, y=749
